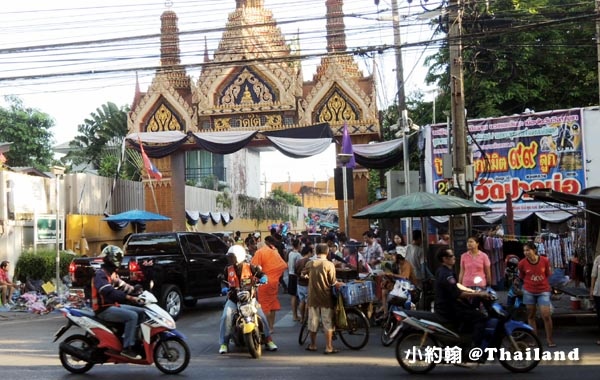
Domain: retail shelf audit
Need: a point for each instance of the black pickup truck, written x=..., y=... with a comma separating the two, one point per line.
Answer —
x=178, y=267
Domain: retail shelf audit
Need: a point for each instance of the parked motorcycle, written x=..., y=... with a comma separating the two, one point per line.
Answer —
x=423, y=332
x=399, y=298
x=247, y=327
x=160, y=344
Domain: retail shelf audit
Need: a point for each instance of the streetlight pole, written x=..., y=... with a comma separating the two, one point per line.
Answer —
x=344, y=159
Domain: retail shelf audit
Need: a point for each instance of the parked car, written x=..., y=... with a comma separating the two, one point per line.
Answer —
x=178, y=267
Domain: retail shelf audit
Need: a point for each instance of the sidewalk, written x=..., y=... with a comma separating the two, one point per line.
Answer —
x=564, y=314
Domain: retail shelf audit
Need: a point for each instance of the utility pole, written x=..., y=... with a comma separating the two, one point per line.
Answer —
x=598, y=43
x=459, y=141
x=402, y=112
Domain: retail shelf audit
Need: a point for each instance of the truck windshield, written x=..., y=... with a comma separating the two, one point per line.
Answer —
x=152, y=245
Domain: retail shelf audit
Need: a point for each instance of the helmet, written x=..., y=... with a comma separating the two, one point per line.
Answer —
x=236, y=254
x=112, y=255
x=401, y=251
x=512, y=261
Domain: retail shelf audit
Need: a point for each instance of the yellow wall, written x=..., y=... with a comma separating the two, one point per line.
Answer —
x=97, y=232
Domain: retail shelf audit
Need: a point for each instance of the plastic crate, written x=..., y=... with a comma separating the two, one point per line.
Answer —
x=358, y=292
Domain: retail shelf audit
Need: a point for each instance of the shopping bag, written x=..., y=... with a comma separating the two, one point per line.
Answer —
x=340, y=314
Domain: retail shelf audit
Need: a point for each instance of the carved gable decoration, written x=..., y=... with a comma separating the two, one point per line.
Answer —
x=336, y=107
x=164, y=119
x=247, y=88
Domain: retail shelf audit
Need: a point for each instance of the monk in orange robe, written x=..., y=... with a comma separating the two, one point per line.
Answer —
x=273, y=266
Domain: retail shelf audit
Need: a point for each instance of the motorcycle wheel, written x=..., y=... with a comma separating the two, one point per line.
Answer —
x=388, y=327
x=71, y=363
x=356, y=335
x=172, y=355
x=411, y=355
x=303, y=334
x=524, y=340
x=253, y=343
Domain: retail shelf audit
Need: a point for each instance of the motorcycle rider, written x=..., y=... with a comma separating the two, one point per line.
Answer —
x=109, y=293
x=450, y=297
x=240, y=273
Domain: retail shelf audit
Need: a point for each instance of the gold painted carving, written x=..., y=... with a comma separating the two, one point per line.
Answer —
x=249, y=85
x=163, y=120
x=337, y=109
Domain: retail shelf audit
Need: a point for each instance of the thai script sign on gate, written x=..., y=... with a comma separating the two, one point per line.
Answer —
x=514, y=154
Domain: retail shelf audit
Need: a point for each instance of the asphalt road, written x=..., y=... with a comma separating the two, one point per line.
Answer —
x=27, y=352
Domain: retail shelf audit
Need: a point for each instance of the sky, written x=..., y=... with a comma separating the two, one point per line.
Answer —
x=45, y=62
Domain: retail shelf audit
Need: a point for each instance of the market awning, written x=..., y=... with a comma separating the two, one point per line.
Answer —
x=591, y=202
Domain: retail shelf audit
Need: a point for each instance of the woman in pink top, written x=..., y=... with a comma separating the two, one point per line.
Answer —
x=473, y=264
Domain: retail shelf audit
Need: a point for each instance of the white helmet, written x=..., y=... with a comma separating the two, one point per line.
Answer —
x=238, y=252
x=401, y=251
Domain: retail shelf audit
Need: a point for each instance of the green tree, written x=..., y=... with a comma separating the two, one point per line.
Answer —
x=28, y=130
x=536, y=54
x=283, y=196
x=99, y=140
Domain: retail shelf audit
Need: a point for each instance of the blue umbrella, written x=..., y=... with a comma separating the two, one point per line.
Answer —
x=136, y=216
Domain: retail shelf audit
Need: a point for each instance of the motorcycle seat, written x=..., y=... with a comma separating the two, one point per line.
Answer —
x=428, y=315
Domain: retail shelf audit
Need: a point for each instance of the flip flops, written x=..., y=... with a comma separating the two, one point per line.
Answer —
x=551, y=345
x=334, y=351
x=308, y=348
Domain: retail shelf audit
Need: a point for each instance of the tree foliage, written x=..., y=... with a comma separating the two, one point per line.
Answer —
x=536, y=54
x=283, y=196
x=28, y=130
x=99, y=140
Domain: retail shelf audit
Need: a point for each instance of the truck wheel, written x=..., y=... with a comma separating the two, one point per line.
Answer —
x=171, y=300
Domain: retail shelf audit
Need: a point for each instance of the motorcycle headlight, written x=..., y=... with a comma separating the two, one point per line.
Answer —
x=246, y=310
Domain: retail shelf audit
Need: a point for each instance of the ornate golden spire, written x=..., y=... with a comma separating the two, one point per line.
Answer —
x=336, y=30
x=170, y=61
x=249, y=4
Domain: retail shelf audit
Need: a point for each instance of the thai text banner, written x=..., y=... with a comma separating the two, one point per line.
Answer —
x=515, y=154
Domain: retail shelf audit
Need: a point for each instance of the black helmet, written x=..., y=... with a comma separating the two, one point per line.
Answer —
x=112, y=256
x=512, y=261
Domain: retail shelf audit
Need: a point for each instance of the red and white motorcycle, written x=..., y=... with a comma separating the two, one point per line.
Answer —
x=160, y=344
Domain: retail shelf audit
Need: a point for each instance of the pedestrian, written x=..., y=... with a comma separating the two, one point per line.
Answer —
x=321, y=280
x=373, y=251
x=293, y=257
x=595, y=289
x=7, y=287
x=535, y=271
x=307, y=255
x=416, y=257
x=273, y=266
x=474, y=266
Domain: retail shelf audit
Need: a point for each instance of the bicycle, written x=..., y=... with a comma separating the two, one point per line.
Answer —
x=354, y=336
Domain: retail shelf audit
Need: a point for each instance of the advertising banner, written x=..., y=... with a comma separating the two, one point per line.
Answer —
x=514, y=154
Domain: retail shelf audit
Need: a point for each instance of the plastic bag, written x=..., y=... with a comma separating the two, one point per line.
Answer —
x=340, y=314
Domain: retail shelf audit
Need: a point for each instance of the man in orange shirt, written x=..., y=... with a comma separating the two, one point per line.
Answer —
x=273, y=266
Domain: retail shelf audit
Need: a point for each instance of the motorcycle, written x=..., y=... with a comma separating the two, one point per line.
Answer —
x=400, y=297
x=160, y=344
x=247, y=327
x=423, y=332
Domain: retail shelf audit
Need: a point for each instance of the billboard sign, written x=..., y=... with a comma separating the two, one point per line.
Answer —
x=514, y=154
